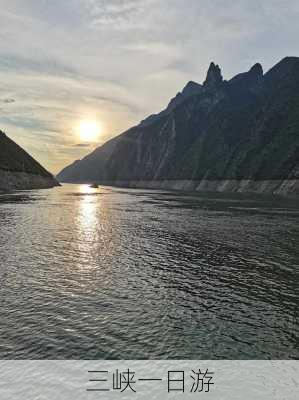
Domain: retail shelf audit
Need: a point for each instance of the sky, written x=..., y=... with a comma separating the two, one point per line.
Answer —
x=114, y=62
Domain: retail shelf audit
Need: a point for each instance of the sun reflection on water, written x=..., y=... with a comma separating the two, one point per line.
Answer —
x=94, y=239
x=88, y=219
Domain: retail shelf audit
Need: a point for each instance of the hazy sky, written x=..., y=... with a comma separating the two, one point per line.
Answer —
x=117, y=61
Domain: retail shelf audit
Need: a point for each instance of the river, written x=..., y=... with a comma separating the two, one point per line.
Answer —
x=113, y=273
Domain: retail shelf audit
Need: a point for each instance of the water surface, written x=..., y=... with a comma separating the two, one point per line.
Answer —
x=136, y=274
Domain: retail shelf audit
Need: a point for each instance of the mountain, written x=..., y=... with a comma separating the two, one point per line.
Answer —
x=237, y=135
x=18, y=170
x=189, y=90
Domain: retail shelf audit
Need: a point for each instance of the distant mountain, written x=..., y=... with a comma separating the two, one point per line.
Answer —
x=18, y=170
x=237, y=135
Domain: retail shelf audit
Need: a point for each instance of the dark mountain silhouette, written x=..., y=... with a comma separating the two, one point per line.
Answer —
x=236, y=135
x=18, y=170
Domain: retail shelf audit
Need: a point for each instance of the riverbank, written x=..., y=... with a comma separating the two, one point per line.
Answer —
x=287, y=187
x=14, y=180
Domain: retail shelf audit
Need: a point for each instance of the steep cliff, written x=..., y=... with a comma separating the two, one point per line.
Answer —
x=18, y=170
x=237, y=135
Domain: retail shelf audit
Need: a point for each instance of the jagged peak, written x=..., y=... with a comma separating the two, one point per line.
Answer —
x=257, y=69
x=214, y=77
x=250, y=78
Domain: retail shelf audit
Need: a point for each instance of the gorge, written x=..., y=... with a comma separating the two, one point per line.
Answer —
x=239, y=135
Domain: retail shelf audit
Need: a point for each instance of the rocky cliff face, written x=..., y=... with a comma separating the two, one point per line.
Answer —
x=237, y=135
x=18, y=170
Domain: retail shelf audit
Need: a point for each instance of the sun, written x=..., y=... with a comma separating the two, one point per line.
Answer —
x=89, y=130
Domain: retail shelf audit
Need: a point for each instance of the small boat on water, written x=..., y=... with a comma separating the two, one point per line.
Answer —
x=94, y=185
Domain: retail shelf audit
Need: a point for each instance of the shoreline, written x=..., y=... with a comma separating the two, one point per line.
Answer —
x=286, y=187
x=14, y=180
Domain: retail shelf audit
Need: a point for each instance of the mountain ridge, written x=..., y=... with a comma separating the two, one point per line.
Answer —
x=242, y=130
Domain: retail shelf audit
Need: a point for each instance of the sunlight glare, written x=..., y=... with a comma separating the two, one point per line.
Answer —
x=89, y=130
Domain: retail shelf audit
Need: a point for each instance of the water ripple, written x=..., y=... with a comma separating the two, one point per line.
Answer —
x=111, y=273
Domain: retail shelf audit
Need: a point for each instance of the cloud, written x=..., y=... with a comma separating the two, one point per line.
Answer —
x=229, y=25
x=118, y=61
x=82, y=145
x=8, y=101
x=117, y=14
